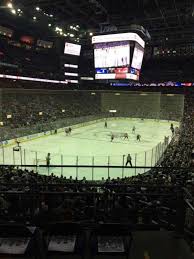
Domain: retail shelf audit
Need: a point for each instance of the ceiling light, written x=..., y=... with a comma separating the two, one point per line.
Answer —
x=19, y=10
x=91, y=33
x=51, y=15
x=49, y=25
x=9, y=5
x=34, y=18
x=170, y=95
x=71, y=35
x=37, y=8
x=58, y=29
x=13, y=11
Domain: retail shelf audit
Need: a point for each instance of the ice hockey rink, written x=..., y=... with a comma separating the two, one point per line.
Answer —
x=91, y=145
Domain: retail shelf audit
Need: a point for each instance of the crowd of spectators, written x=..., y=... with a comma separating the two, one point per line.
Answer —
x=137, y=199
x=30, y=108
x=26, y=60
x=179, y=152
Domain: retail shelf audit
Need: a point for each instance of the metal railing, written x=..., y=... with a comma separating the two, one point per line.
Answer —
x=177, y=215
x=76, y=169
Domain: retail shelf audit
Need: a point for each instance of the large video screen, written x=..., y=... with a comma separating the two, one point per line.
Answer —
x=112, y=54
x=72, y=49
x=137, y=57
x=116, y=58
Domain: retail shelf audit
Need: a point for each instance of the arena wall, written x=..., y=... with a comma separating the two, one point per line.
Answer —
x=171, y=106
x=145, y=105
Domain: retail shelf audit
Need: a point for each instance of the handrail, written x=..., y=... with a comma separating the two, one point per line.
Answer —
x=96, y=166
x=188, y=193
x=90, y=184
x=189, y=204
x=82, y=193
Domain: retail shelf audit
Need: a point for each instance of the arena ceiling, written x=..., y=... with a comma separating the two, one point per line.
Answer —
x=166, y=20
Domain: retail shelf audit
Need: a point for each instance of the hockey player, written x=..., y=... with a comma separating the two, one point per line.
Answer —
x=48, y=159
x=68, y=131
x=129, y=159
x=112, y=137
x=18, y=143
x=18, y=147
x=133, y=130
x=126, y=136
x=138, y=137
x=105, y=124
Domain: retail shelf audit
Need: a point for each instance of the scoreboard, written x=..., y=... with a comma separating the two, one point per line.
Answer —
x=118, y=56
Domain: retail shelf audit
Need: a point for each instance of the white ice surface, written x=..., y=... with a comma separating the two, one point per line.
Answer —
x=91, y=145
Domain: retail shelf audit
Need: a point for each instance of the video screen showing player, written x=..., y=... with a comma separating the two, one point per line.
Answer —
x=137, y=57
x=112, y=54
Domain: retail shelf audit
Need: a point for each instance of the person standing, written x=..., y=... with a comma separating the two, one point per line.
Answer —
x=133, y=130
x=129, y=160
x=139, y=137
x=126, y=136
x=48, y=159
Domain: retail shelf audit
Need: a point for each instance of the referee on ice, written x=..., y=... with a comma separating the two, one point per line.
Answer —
x=48, y=159
x=129, y=159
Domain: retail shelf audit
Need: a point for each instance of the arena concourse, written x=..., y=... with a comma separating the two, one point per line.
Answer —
x=96, y=129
